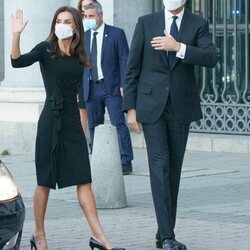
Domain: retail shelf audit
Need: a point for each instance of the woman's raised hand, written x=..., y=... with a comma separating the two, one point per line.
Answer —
x=18, y=24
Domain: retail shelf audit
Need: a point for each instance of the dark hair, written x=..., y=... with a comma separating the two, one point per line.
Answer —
x=77, y=47
x=79, y=7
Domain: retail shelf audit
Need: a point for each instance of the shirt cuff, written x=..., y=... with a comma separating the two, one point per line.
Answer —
x=182, y=51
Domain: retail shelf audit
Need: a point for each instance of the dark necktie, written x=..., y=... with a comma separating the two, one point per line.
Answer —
x=174, y=33
x=94, y=71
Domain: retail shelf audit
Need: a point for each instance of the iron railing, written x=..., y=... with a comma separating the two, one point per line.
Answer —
x=225, y=90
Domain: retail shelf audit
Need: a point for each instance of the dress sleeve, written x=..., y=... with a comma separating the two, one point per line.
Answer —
x=81, y=102
x=35, y=55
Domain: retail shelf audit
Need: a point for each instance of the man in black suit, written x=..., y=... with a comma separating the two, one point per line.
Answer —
x=160, y=93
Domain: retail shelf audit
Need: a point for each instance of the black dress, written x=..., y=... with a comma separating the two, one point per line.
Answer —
x=61, y=150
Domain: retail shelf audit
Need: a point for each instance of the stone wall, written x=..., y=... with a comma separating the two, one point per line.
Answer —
x=126, y=14
x=1, y=42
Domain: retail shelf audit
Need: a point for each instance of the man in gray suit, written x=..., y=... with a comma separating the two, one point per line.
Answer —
x=160, y=93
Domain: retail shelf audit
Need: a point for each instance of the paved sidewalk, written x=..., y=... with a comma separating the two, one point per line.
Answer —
x=213, y=210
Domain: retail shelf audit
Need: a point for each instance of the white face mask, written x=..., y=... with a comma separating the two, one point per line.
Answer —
x=173, y=4
x=63, y=31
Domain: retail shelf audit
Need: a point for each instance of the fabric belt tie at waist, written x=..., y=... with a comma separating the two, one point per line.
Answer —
x=57, y=108
x=56, y=101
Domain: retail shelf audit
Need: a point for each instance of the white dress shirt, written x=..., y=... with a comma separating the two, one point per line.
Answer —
x=168, y=21
x=99, y=39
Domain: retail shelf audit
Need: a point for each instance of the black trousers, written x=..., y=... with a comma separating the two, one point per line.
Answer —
x=166, y=143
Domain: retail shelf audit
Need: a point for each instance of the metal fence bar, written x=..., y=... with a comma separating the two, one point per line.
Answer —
x=247, y=101
x=214, y=41
x=235, y=66
x=224, y=51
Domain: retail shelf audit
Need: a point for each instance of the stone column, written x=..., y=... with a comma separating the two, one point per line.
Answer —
x=157, y=5
x=73, y=3
x=1, y=42
x=22, y=92
x=108, y=11
x=126, y=14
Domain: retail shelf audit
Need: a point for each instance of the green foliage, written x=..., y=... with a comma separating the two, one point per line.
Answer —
x=5, y=152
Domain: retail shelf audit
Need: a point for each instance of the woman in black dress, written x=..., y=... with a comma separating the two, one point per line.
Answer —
x=61, y=152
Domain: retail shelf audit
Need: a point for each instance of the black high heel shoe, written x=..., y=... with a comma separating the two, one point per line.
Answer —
x=95, y=244
x=33, y=242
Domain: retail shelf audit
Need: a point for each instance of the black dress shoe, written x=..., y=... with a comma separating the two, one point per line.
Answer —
x=178, y=245
x=168, y=244
x=158, y=243
x=127, y=169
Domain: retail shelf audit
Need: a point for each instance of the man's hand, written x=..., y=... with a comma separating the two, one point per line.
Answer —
x=167, y=43
x=132, y=123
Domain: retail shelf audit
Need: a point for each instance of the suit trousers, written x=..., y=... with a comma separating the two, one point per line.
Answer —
x=166, y=143
x=99, y=99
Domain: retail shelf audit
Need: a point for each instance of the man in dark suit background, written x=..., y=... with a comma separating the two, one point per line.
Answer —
x=107, y=48
x=160, y=93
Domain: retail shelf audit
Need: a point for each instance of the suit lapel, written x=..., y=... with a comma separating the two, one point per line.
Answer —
x=87, y=42
x=182, y=33
x=87, y=49
x=186, y=23
x=158, y=27
x=104, y=41
x=158, y=23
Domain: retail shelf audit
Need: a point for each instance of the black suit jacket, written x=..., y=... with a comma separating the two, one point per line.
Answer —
x=149, y=81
